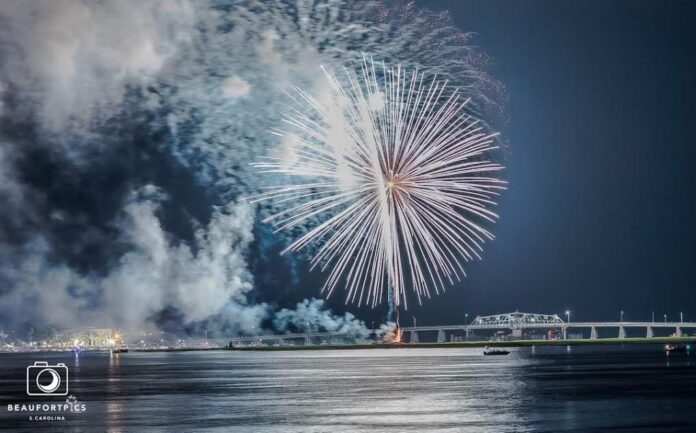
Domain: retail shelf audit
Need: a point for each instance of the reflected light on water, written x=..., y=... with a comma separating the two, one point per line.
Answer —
x=377, y=390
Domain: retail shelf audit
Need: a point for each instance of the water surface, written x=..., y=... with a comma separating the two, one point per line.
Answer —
x=551, y=389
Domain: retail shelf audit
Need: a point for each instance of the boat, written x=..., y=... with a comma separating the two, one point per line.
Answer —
x=123, y=350
x=489, y=352
x=676, y=348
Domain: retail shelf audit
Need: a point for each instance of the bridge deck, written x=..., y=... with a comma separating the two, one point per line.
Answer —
x=552, y=326
x=471, y=327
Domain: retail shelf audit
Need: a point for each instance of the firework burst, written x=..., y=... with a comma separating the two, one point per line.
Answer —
x=395, y=170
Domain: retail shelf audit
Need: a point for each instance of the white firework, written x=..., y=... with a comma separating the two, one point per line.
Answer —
x=395, y=171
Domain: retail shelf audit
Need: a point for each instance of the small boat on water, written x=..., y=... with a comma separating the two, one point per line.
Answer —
x=672, y=349
x=491, y=352
x=123, y=350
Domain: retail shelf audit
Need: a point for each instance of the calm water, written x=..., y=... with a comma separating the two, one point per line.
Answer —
x=629, y=388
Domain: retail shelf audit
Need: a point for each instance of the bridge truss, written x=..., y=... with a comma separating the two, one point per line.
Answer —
x=517, y=321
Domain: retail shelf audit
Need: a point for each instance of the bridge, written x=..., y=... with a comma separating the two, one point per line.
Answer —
x=518, y=322
x=515, y=322
x=649, y=327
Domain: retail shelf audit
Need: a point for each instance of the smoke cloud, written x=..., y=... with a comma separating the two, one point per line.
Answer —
x=73, y=59
x=198, y=280
x=235, y=87
x=311, y=314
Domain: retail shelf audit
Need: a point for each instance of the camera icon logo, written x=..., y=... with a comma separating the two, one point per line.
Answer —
x=47, y=380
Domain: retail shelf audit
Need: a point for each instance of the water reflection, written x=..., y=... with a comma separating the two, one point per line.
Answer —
x=114, y=423
x=114, y=361
x=413, y=390
x=401, y=390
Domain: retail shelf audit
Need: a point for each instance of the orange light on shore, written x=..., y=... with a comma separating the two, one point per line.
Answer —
x=397, y=335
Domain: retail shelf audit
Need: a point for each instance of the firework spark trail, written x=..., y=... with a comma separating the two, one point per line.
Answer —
x=396, y=171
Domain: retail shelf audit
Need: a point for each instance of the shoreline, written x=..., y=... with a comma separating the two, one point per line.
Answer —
x=170, y=349
x=433, y=345
x=476, y=344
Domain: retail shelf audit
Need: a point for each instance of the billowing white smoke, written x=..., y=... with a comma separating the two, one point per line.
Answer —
x=387, y=332
x=311, y=314
x=72, y=60
x=207, y=279
x=200, y=280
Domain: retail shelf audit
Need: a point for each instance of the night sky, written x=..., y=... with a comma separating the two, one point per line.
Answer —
x=599, y=215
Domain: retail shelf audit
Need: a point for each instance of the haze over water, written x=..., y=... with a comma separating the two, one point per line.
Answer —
x=617, y=388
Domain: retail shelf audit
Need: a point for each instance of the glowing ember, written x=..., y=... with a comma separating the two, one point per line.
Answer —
x=397, y=335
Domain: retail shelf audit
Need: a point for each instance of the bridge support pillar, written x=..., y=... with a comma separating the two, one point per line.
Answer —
x=565, y=333
x=441, y=338
x=307, y=341
x=649, y=333
x=679, y=332
x=281, y=341
x=414, y=337
x=593, y=333
x=622, y=332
